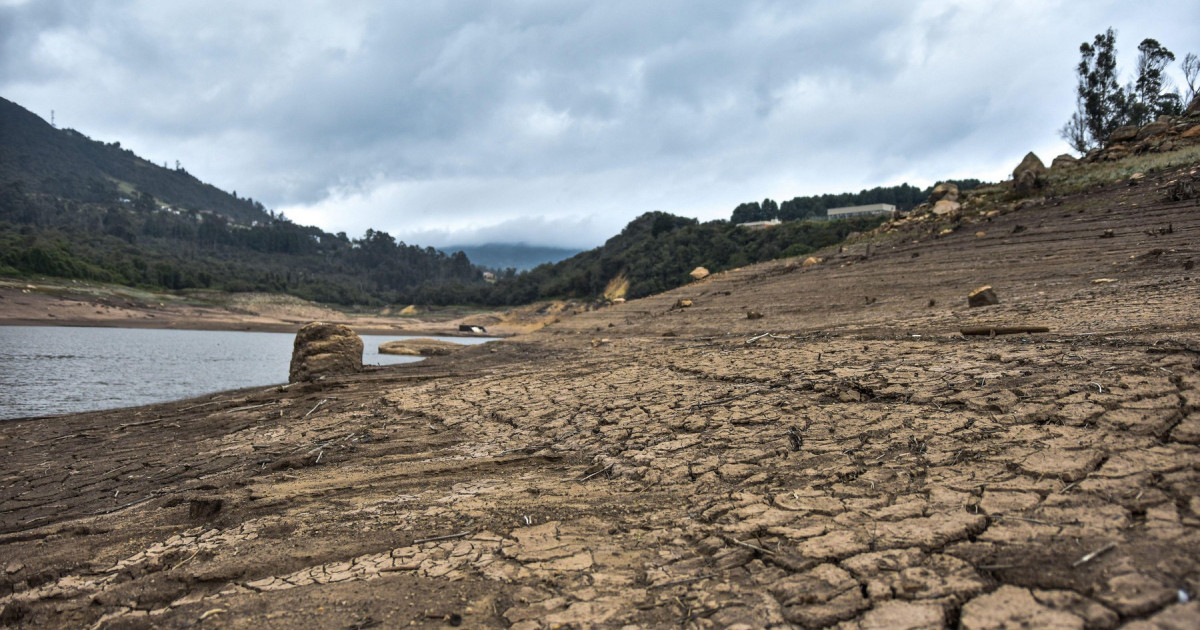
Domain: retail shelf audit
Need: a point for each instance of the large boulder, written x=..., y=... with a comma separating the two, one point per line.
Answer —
x=1063, y=161
x=699, y=273
x=323, y=349
x=1193, y=108
x=1153, y=129
x=944, y=190
x=1030, y=174
x=946, y=207
x=1123, y=134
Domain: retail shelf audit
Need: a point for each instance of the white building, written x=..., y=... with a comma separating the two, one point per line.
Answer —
x=860, y=211
x=759, y=225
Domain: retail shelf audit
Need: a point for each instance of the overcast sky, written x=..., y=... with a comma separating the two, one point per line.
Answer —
x=555, y=121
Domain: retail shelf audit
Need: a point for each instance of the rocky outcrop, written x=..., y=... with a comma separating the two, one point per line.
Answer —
x=1167, y=133
x=1193, y=108
x=1030, y=174
x=944, y=190
x=323, y=349
x=422, y=347
x=1123, y=134
x=1063, y=161
x=1153, y=129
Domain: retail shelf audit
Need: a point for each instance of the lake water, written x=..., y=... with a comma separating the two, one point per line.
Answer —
x=48, y=370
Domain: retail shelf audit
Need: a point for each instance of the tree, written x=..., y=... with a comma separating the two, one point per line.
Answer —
x=1152, y=94
x=1191, y=71
x=1100, y=98
x=1075, y=132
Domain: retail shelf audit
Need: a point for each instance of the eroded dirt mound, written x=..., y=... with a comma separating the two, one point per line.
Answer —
x=846, y=460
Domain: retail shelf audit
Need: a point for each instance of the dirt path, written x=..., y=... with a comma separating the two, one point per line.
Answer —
x=848, y=459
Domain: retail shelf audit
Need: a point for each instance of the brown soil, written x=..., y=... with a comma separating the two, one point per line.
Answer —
x=848, y=458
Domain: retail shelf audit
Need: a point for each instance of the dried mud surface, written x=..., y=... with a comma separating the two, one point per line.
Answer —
x=846, y=460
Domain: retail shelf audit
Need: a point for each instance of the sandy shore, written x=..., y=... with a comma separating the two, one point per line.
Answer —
x=59, y=303
x=846, y=460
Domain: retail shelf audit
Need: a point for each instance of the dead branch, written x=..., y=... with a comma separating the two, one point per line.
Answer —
x=992, y=331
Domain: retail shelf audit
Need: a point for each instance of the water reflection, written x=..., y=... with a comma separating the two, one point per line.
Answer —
x=49, y=370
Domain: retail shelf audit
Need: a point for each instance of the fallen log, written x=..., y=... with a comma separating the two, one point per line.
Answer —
x=992, y=331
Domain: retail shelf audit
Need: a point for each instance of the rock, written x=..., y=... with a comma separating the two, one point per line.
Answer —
x=1029, y=174
x=810, y=261
x=983, y=296
x=1063, y=161
x=1193, y=108
x=1153, y=129
x=944, y=190
x=1192, y=132
x=204, y=509
x=699, y=273
x=1026, y=182
x=1123, y=134
x=421, y=347
x=754, y=315
x=946, y=207
x=682, y=303
x=1108, y=234
x=1014, y=607
x=323, y=349
x=1134, y=594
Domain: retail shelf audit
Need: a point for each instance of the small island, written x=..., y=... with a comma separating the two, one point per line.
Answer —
x=420, y=347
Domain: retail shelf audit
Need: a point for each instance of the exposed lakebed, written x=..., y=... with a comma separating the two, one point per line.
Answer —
x=50, y=370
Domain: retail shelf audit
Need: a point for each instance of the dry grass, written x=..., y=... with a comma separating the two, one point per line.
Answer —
x=1086, y=176
x=616, y=288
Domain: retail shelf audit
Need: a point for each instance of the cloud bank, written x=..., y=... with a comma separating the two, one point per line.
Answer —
x=557, y=122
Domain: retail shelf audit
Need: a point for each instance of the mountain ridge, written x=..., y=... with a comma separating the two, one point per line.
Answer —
x=67, y=163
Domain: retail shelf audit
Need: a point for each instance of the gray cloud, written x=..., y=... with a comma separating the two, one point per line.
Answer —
x=472, y=120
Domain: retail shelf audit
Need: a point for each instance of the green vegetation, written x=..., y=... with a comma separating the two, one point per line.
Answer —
x=1102, y=104
x=904, y=197
x=656, y=251
x=141, y=244
x=71, y=207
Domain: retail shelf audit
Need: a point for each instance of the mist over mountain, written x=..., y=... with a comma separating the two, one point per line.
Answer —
x=519, y=256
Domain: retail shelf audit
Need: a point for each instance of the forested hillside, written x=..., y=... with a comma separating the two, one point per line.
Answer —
x=68, y=164
x=904, y=197
x=73, y=207
x=656, y=251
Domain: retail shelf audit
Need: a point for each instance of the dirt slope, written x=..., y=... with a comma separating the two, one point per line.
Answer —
x=861, y=466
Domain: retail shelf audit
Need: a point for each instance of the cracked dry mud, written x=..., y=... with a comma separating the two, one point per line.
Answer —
x=642, y=466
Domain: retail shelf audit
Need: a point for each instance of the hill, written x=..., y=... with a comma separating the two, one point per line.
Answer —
x=72, y=207
x=69, y=165
x=656, y=252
